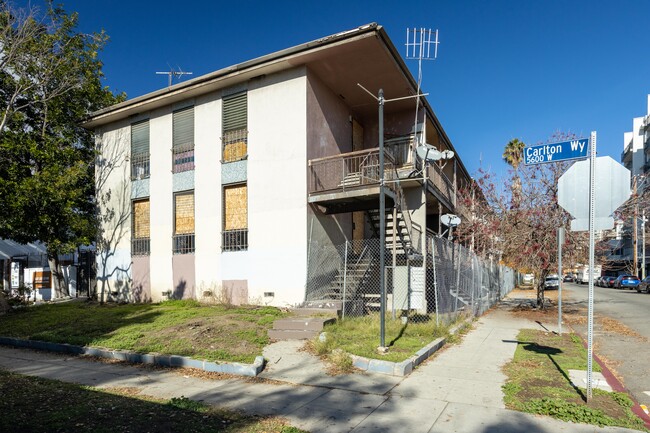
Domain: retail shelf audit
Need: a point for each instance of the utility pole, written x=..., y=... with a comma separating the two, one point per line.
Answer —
x=643, y=220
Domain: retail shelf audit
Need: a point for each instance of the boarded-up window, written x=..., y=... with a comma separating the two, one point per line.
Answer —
x=141, y=225
x=235, y=207
x=184, y=213
x=235, y=124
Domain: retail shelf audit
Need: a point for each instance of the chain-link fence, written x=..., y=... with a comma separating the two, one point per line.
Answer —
x=446, y=281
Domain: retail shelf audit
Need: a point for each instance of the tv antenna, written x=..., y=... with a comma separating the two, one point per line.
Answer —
x=419, y=44
x=173, y=73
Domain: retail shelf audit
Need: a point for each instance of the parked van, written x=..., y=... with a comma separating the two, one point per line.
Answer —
x=583, y=274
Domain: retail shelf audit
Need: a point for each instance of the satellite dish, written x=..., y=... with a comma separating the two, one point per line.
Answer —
x=428, y=153
x=447, y=154
x=450, y=220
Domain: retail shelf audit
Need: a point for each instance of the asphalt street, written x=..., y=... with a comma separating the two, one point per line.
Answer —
x=629, y=355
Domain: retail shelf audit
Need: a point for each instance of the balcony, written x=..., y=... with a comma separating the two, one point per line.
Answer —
x=350, y=181
x=442, y=186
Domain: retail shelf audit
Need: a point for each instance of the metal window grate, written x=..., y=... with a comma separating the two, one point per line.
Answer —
x=235, y=145
x=184, y=244
x=235, y=240
x=140, y=166
x=183, y=158
x=140, y=247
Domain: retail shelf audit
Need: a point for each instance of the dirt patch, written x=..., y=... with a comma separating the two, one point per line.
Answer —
x=616, y=327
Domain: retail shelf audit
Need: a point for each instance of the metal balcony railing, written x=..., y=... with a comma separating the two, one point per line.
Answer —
x=347, y=171
x=442, y=183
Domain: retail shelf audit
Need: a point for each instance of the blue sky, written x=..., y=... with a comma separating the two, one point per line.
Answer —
x=505, y=69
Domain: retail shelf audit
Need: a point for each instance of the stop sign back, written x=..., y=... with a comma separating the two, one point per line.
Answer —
x=611, y=186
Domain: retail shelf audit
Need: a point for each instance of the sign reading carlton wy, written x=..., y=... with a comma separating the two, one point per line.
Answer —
x=554, y=152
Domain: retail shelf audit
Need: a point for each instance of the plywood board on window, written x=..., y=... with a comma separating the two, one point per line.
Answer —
x=235, y=207
x=184, y=218
x=141, y=225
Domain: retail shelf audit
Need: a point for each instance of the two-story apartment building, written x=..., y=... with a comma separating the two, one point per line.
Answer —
x=220, y=185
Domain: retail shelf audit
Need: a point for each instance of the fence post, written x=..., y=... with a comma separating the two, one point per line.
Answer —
x=435, y=283
x=345, y=275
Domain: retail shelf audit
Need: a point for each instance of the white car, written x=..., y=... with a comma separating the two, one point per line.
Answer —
x=529, y=279
x=551, y=282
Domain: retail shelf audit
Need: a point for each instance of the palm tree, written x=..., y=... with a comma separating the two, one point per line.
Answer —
x=513, y=153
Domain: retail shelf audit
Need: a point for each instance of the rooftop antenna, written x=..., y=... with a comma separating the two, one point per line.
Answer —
x=418, y=47
x=173, y=73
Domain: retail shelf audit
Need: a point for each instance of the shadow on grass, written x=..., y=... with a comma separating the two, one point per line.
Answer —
x=531, y=346
x=38, y=404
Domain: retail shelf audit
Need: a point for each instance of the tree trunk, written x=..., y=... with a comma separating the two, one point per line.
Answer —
x=59, y=287
x=540, y=291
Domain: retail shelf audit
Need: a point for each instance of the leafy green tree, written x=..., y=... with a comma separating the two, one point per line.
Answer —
x=50, y=80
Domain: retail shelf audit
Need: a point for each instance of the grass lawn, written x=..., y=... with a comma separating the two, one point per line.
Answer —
x=31, y=404
x=538, y=382
x=187, y=328
x=360, y=336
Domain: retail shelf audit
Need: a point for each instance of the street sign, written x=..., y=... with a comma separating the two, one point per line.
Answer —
x=611, y=189
x=554, y=152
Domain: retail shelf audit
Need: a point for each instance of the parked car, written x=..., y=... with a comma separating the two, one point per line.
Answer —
x=644, y=285
x=598, y=281
x=528, y=279
x=552, y=282
x=627, y=282
x=609, y=281
x=568, y=278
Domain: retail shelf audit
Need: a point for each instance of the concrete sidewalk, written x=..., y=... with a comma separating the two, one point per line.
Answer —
x=459, y=390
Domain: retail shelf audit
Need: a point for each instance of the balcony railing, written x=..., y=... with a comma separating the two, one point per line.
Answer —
x=442, y=183
x=183, y=158
x=347, y=171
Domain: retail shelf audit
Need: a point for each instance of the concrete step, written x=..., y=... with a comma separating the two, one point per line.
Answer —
x=292, y=334
x=303, y=323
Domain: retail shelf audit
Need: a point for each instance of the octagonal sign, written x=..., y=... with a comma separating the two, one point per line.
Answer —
x=612, y=189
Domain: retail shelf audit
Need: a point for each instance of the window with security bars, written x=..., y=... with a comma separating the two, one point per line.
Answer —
x=235, y=124
x=140, y=232
x=140, y=150
x=235, y=218
x=183, y=140
x=184, y=223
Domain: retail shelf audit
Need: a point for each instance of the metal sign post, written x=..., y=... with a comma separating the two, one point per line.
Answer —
x=590, y=311
x=560, y=242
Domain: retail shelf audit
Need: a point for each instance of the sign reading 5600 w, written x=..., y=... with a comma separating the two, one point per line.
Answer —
x=554, y=152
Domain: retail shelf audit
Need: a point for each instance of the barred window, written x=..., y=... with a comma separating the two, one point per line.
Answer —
x=140, y=150
x=235, y=218
x=235, y=123
x=140, y=241
x=183, y=140
x=184, y=223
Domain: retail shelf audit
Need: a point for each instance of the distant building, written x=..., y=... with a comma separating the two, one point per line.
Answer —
x=636, y=158
x=223, y=185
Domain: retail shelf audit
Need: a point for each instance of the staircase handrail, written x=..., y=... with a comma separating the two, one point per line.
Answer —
x=400, y=202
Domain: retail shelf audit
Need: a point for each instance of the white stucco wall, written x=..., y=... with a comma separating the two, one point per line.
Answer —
x=161, y=202
x=114, y=196
x=277, y=192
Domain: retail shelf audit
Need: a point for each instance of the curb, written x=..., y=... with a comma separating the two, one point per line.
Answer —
x=235, y=368
x=405, y=367
x=617, y=385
